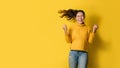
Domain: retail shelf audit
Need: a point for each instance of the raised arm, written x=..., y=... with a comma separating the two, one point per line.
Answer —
x=67, y=34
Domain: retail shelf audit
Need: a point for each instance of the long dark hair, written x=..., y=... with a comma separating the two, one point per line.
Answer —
x=70, y=14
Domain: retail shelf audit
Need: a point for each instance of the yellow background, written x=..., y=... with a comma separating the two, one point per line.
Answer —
x=31, y=34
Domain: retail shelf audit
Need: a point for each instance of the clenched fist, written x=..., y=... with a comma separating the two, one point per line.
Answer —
x=95, y=27
x=65, y=28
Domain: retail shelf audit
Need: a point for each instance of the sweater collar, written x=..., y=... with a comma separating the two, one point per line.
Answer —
x=80, y=24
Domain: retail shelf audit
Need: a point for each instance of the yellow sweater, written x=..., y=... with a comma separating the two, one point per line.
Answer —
x=79, y=35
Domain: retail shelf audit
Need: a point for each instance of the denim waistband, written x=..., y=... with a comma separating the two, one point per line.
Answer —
x=79, y=51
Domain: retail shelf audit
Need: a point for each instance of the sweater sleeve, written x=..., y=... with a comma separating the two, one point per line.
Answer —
x=68, y=36
x=91, y=36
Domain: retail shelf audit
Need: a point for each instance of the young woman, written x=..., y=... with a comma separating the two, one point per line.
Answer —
x=79, y=35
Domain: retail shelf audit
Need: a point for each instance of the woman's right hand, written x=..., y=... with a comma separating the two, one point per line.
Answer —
x=65, y=28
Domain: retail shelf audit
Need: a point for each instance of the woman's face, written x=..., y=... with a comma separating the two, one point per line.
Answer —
x=80, y=17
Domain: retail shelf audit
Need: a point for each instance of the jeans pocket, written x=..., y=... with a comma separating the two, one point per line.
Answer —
x=72, y=53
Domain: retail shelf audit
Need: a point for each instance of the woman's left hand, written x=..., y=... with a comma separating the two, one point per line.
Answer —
x=95, y=27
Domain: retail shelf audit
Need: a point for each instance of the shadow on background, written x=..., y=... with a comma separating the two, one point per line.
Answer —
x=97, y=45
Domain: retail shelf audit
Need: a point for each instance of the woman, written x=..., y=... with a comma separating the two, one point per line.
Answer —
x=79, y=35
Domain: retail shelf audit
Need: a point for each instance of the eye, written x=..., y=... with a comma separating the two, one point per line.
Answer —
x=78, y=15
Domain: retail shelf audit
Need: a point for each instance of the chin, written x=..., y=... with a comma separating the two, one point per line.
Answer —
x=80, y=22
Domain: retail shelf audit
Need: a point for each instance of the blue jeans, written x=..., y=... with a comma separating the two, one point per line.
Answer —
x=78, y=59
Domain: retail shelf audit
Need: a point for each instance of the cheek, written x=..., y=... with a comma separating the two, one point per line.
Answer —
x=76, y=18
x=83, y=18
